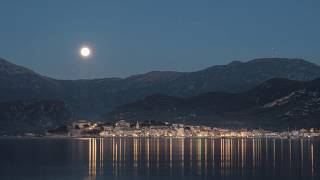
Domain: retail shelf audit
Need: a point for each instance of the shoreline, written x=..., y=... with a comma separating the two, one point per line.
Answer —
x=150, y=137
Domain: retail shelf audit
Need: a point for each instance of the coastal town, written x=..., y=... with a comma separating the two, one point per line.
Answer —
x=122, y=128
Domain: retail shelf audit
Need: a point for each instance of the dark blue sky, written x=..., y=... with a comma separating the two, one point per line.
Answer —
x=136, y=36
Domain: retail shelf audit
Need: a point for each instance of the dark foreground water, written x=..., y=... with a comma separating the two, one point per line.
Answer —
x=159, y=158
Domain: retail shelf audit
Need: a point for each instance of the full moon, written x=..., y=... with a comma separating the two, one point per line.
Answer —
x=85, y=51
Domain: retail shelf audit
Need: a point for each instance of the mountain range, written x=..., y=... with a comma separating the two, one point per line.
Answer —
x=89, y=98
x=275, y=104
x=236, y=94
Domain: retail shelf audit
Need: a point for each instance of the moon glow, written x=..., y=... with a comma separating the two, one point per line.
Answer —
x=85, y=52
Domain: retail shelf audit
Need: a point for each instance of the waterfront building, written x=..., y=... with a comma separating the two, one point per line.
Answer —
x=123, y=124
x=81, y=124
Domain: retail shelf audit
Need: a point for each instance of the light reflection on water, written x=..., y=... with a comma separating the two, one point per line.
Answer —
x=96, y=158
x=203, y=157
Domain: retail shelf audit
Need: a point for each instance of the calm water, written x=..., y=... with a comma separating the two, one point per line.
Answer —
x=158, y=158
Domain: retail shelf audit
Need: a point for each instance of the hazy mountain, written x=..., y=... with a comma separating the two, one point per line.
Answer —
x=276, y=103
x=92, y=97
x=19, y=83
x=30, y=116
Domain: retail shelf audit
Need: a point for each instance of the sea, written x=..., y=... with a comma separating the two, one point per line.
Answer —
x=158, y=158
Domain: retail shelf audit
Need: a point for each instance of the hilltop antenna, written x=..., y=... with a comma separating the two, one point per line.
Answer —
x=273, y=53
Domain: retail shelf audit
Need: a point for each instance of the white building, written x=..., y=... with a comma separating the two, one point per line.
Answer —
x=137, y=125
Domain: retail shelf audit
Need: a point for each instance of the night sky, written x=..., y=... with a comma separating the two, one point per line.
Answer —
x=132, y=37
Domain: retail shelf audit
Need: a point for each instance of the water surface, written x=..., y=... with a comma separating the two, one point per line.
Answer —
x=158, y=158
